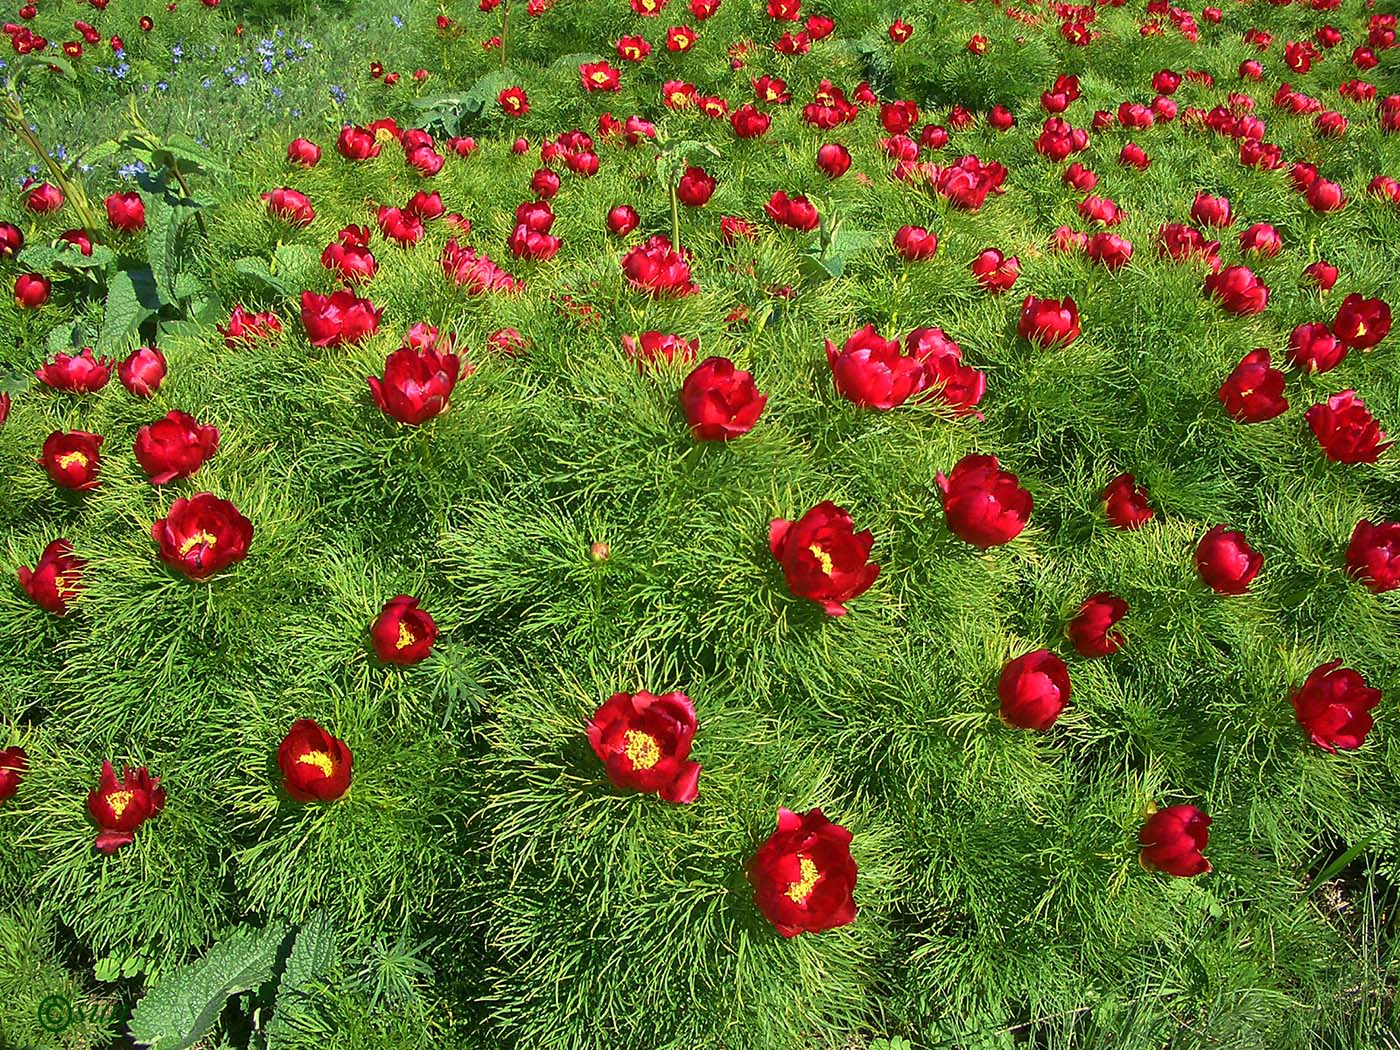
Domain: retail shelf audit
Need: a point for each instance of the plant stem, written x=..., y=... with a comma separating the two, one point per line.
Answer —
x=675, y=221
x=185, y=189
x=505, y=23
x=17, y=122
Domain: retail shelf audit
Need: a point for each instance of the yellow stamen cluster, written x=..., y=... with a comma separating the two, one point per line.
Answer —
x=405, y=637
x=641, y=749
x=822, y=557
x=119, y=800
x=68, y=460
x=799, y=891
x=206, y=538
x=320, y=760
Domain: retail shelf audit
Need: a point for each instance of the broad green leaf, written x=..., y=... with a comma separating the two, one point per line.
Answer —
x=312, y=955
x=131, y=298
x=181, y=1009
x=65, y=337
x=162, y=232
x=251, y=266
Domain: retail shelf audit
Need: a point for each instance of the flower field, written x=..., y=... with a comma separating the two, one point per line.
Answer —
x=699, y=525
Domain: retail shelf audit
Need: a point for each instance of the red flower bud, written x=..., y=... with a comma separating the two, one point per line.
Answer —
x=174, y=447
x=126, y=212
x=143, y=371
x=720, y=401
x=403, y=633
x=120, y=807
x=1226, y=562
x=983, y=504
x=1033, y=690
x=1172, y=840
x=1089, y=630
x=1332, y=707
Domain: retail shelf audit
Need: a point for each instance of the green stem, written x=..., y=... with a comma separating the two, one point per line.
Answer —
x=18, y=123
x=185, y=189
x=675, y=221
x=505, y=24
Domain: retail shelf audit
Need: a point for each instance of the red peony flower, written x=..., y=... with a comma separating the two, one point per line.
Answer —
x=338, y=319
x=244, y=327
x=403, y=633
x=1125, y=503
x=900, y=31
x=695, y=187
x=871, y=372
x=31, y=291
x=11, y=240
x=644, y=743
x=1049, y=322
x=1172, y=840
x=995, y=272
x=915, y=243
x=1089, y=630
x=43, y=198
x=652, y=347
x=622, y=220
x=55, y=579
x=1373, y=555
x=71, y=459
x=119, y=807
x=202, y=535
x=600, y=76
x=796, y=212
x=823, y=558
x=1333, y=705
x=1211, y=211
x=174, y=447
x=1262, y=239
x=356, y=143
x=803, y=875
x=1033, y=689
x=291, y=206
x=513, y=101
x=303, y=152
x=658, y=269
x=946, y=378
x=143, y=371
x=315, y=765
x=350, y=257
x=76, y=373
x=1346, y=430
x=1321, y=273
x=417, y=383
x=1237, y=290
x=1361, y=323
x=720, y=401
x=1226, y=562
x=833, y=159
x=1313, y=348
x=126, y=212
x=1253, y=392
x=983, y=504
x=14, y=763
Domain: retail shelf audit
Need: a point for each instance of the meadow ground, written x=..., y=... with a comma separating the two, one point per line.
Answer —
x=699, y=525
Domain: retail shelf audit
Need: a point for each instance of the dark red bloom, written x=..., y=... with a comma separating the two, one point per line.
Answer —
x=338, y=319
x=1361, y=323
x=11, y=240
x=1253, y=392
x=653, y=346
x=1226, y=562
x=71, y=459
x=946, y=377
x=315, y=765
x=1112, y=251
x=1373, y=555
x=174, y=447
x=304, y=152
x=623, y=219
x=870, y=371
x=1172, y=840
x=658, y=269
x=77, y=373
x=201, y=535
x=1346, y=430
x=1033, y=689
x=834, y=159
x=55, y=578
x=417, y=383
x=1211, y=211
x=1313, y=348
x=915, y=243
x=126, y=212
x=119, y=807
x=995, y=272
x=244, y=327
x=1049, y=322
x=404, y=227
x=1237, y=290
x=14, y=763
x=349, y=256
x=1321, y=273
x=43, y=198
x=1125, y=503
x=720, y=401
x=795, y=212
x=822, y=556
x=1089, y=630
x=644, y=743
x=804, y=876
x=983, y=504
x=1333, y=705
x=357, y=143
x=403, y=633
x=143, y=371
x=291, y=206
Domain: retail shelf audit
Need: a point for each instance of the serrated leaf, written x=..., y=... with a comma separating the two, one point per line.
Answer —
x=162, y=231
x=251, y=266
x=188, y=284
x=312, y=955
x=40, y=257
x=816, y=268
x=65, y=337
x=182, y=1008
x=131, y=298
